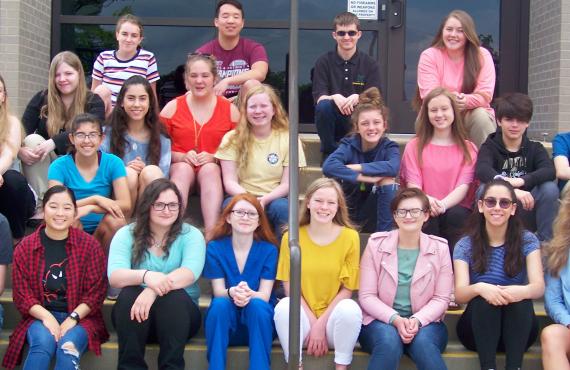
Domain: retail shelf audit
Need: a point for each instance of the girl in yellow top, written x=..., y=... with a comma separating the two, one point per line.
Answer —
x=330, y=250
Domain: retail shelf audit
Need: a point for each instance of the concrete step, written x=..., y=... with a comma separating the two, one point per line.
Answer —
x=12, y=316
x=455, y=356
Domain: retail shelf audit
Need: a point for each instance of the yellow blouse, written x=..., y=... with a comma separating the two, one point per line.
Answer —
x=324, y=268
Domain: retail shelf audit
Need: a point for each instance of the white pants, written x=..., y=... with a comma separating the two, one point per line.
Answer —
x=37, y=173
x=343, y=328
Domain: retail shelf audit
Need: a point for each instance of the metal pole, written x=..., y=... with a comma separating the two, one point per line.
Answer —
x=295, y=252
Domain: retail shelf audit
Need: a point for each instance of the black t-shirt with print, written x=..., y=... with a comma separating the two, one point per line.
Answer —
x=54, y=280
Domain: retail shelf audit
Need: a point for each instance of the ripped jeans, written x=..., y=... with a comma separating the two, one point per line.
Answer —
x=43, y=346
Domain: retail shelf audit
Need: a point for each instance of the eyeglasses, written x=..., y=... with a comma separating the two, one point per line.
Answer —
x=82, y=136
x=414, y=212
x=241, y=214
x=491, y=202
x=160, y=206
x=344, y=33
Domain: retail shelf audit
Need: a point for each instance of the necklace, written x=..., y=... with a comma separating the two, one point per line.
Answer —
x=197, y=132
x=157, y=245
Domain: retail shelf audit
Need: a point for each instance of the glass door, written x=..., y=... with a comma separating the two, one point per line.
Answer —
x=411, y=27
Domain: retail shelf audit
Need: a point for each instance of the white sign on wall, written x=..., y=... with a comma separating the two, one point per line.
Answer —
x=364, y=9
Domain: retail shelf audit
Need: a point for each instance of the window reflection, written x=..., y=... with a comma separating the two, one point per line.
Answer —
x=423, y=19
x=143, y=8
x=165, y=42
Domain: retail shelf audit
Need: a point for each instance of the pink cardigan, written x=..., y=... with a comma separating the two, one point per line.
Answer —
x=435, y=69
x=432, y=280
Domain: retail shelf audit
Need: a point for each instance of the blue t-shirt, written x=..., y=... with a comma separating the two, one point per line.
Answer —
x=110, y=169
x=495, y=273
x=561, y=147
x=135, y=148
x=261, y=263
x=188, y=250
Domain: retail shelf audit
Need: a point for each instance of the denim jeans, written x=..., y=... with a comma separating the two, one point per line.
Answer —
x=369, y=207
x=277, y=213
x=384, y=344
x=43, y=346
x=331, y=124
x=384, y=196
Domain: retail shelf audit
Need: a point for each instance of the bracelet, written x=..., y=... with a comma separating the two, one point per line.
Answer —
x=229, y=295
x=144, y=276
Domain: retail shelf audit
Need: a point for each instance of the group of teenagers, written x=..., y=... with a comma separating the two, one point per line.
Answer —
x=466, y=215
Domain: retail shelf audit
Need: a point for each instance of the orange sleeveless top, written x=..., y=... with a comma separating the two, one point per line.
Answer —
x=186, y=134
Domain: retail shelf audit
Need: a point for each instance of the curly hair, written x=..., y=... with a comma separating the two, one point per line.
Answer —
x=370, y=99
x=426, y=130
x=142, y=234
x=243, y=138
x=477, y=232
x=556, y=251
x=263, y=230
x=119, y=122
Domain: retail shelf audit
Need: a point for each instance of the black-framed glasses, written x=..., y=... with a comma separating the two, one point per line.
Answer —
x=491, y=202
x=242, y=213
x=344, y=33
x=160, y=206
x=414, y=212
x=82, y=135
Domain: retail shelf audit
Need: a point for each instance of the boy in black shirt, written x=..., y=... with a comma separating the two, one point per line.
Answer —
x=509, y=154
x=339, y=77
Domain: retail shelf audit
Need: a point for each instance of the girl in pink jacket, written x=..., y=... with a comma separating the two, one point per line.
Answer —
x=406, y=280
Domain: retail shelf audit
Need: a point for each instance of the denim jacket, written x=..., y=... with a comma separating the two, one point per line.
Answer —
x=557, y=296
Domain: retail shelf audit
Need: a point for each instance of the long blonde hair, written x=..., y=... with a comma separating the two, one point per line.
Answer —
x=5, y=123
x=58, y=117
x=243, y=138
x=556, y=251
x=4, y=116
x=341, y=218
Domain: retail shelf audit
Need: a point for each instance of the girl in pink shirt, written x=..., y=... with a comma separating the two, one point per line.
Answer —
x=456, y=61
x=441, y=162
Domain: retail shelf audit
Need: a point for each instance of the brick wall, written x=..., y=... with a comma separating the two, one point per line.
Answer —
x=25, y=31
x=549, y=66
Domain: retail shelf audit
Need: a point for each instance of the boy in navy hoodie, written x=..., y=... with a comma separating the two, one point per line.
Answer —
x=509, y=154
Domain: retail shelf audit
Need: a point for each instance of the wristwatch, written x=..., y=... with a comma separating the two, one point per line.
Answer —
x=74, y=316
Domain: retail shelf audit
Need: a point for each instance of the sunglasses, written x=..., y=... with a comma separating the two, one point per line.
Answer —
x=344, y=33
x=491, y=202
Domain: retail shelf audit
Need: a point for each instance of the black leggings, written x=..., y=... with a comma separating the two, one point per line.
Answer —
x=173, y=319
x=17, y=202
x=486, y=329
x=449, y=225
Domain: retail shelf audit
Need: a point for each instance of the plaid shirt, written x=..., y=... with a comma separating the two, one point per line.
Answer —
x=86, y=283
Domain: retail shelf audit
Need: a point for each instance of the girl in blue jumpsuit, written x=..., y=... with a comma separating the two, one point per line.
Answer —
x=241, y=261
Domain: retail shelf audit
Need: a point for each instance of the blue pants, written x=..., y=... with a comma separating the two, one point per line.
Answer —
x=43, y=346
x=226, y=324
x=363, y=204
x=277, y=212
x=384, y=344
x=331, y=124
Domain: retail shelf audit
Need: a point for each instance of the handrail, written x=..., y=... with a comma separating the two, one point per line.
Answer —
x=295, y=252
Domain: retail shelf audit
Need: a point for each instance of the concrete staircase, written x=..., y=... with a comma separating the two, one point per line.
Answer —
x=456, y=357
